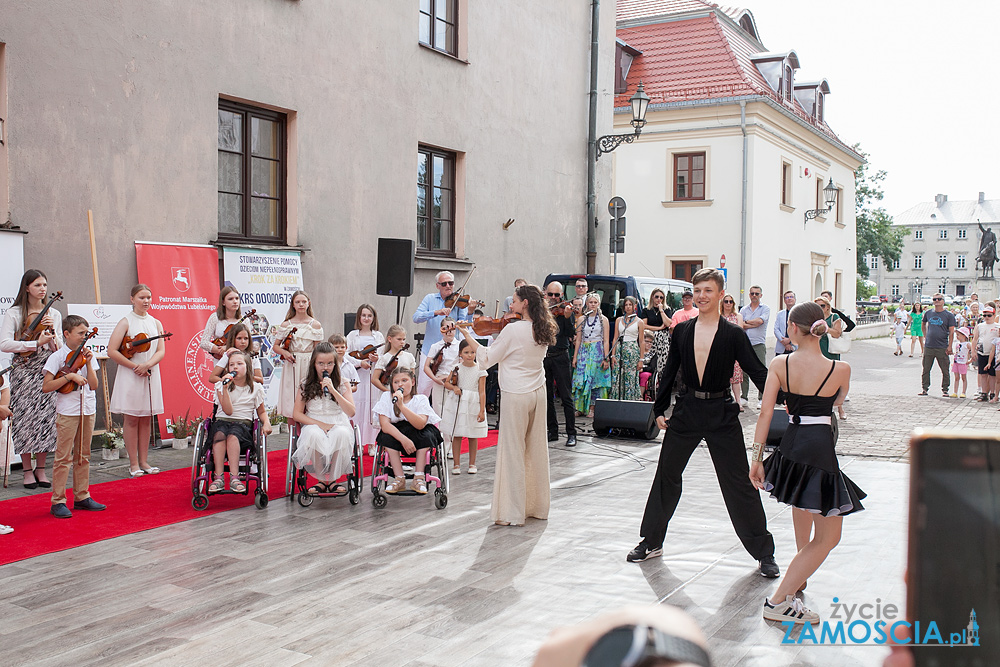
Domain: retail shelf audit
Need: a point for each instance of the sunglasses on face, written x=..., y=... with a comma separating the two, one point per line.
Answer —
x=731, y=303
x=938, y=299
x=555, y=294
x=790, y=296
x=447, y=282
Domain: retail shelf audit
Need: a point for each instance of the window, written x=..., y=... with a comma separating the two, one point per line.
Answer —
x=873, y=262
x=684, y=270
x=820, y=203
x=786, y=183
x=840, y=199
x=942, y=261
x=786, y=83
x=251, y=173
x=895, y=264
x=689, y=176
x=962, y=233
x=438, y=25
x=435, y=201
x=918, y=234
x=941, y=288
x=624, y=54
x=942, y=233
x=895, y=290
x=918, y=261
x=960, y=262
x=819, y=106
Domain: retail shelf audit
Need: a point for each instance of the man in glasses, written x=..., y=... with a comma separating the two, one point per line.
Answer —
x=755, y=318
x=784, y=344
x=939, y=334
x=558, y=373
x=431, y=311
x=983, y=336
x=581, y=288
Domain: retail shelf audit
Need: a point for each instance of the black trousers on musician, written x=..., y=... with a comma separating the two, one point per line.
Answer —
x=717, y=422
x=559, y=379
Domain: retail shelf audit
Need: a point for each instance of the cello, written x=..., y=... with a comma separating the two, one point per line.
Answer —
x=74, y=362
x=34, y=330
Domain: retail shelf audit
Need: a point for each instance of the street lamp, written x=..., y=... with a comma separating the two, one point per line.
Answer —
x=830, y=197
x=609, y=142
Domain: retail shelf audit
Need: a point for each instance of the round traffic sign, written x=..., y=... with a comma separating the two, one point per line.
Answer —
x=616, y=206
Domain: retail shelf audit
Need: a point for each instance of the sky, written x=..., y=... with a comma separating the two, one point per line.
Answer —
x=916, y=83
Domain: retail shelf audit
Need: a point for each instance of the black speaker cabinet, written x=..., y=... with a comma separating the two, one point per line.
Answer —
x=349, y=322
x=394, y=272
x=631, y=417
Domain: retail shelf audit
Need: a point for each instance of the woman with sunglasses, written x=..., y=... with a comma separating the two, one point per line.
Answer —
x=657, y=320
x=729, y=313
x=835, y=328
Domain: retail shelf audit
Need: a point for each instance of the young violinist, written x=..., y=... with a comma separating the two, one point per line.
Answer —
x=238, y=340
x=138, y=392
x=294, y=342
x=393, y=353
x=35, y=433
x=443, y=354
x=229, y=312
x=347, y=372
x=465, y=412
x=75, y=414
x=365, y=337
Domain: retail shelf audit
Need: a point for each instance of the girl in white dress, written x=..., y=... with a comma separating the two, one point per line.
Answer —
x=237, y=341
x=239, y=397
x=305, y=332
x=138, y=394
x=395, y=348
x=228, y=312
x=324, y=406
x=465, y=410
x=365, y=337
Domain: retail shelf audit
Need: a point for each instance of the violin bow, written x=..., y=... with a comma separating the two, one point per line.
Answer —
x=462, y=288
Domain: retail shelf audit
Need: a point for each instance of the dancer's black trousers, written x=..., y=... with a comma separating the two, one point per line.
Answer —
x=717, y=422
x=559, y=373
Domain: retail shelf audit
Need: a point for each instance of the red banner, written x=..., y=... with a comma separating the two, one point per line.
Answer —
x=185, y=285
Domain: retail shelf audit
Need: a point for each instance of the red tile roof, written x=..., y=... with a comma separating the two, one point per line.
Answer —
x=633, y=9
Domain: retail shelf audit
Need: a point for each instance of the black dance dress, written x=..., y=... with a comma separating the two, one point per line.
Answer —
x=803, y=472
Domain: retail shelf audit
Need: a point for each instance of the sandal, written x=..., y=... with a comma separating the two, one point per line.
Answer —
x=236, y=485
x=151, y=471
x=136, y=473
x=473, y=470
x=398, y=484
x=419, y=484
x=456, y=471
x=218, y=485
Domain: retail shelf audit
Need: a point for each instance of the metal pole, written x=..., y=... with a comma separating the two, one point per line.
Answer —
x=591, y=221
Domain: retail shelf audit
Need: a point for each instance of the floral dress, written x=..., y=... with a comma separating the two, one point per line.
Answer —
x=591, y=380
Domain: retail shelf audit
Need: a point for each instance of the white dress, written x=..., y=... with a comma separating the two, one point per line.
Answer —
x=133, y=395
x=367, y=394
x=303, y=341
x=465, y=424
x=327, y=456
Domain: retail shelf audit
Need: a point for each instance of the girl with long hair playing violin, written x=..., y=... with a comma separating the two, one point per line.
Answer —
x=239, y=398
x=394, y=355
x=294, y=342
x=362, y=353
x=228, y=313
x=238, y=340
x=35, y=433
x=138, y=393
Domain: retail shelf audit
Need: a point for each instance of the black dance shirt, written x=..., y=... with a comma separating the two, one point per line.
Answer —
x=730, y=345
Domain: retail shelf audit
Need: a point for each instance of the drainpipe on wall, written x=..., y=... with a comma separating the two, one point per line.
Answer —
x=591, y=221
x=743, y=209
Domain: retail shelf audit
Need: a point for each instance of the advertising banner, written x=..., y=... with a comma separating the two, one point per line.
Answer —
x=266, y=280
x=184, y=280
x=11, y=270
x=103, y=316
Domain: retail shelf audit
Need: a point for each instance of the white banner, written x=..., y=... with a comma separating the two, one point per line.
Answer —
x=103, y=316
x=11, y=270
x=266, y=280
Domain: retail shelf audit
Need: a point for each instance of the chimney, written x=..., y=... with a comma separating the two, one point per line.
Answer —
x=940, y=199
x=982, y=197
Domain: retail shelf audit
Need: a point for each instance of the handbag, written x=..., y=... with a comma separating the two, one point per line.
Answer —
x=840, y=345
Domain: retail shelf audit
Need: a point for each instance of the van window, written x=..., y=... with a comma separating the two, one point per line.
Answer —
x=673, y=300
x=612, y=292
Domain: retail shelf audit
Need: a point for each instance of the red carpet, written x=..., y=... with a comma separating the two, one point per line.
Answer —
x=134, y=505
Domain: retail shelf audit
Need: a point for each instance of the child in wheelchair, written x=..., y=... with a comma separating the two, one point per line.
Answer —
x=238, y=397
x=324, y=407
x=409, y=425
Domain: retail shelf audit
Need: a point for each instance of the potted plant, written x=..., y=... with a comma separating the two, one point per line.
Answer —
x=112, y=442
x=278, y=420
x=183, y=428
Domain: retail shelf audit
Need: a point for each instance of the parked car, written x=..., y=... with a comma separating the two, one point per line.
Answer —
x=882, y=298
x=615, y=288
x=958, y=301
x=897, y=298
x=927, y=300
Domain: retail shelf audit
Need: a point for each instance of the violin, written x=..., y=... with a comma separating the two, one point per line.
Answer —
x=131, y=346
x=221, y=340
x=453, y=378
x=487, y=326
x=561, y=305
x=361, y=355
x=34, y=330
x=286, y=342
x=438, y=359
x=74, y=362
x=462, y=301
x=386, y=372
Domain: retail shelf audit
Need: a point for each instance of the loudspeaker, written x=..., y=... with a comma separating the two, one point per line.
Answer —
x=634, y=416
x=394, y=272
x=349, y=322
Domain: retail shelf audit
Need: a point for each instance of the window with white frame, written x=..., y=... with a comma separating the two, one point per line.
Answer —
x=942, y=234
x=962, y=233
x=918, y=261
x=873, y=262
x=960, y=262
x=895, y=290
x=918, y=234
x=942, y=261
x=942, y=287
x=895, y=264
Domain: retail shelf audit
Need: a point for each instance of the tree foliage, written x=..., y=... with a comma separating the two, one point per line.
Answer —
x=876, y=234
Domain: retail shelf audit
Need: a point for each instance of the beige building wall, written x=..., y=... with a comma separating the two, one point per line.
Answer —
x=112, y=106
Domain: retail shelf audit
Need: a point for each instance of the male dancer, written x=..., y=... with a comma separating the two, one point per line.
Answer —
x=704, y=349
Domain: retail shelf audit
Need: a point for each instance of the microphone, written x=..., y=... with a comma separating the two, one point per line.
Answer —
x=226, y=379
x=326, y=390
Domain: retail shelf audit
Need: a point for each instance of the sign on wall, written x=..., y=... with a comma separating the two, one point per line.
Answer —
x=11, y=269
x=103, y=316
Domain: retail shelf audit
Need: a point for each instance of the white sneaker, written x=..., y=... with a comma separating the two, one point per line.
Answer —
x=758, y=405
x=5, y=529
x=744, y=403
x=791, y=609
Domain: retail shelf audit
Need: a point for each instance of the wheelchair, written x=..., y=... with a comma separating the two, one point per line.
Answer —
x=296, y=479
x=253, y=466
x=435, y=471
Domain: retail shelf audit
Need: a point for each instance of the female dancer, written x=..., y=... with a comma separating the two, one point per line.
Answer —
x=521, y=482
x=803, y=472
x=364, y=337
x=591, y=377
x=138, y=393
x=658, y=321
x=729, y=313
x=228, y=312
x=297, y=353
x=35, y=432
x=629, y=347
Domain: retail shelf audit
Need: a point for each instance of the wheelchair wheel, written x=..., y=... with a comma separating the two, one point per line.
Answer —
x=199, y=502
x=379, y=501
x=305, y=499
x=353, y=491
x=440, y=499
x=260, y=500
